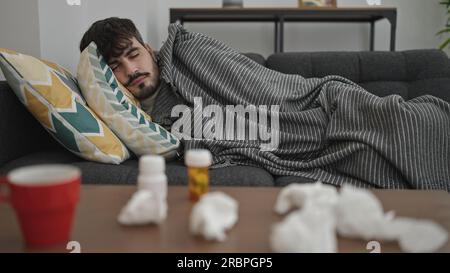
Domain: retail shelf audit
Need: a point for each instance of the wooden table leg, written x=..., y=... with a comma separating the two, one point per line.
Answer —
x=393, y=33
x=281, y=35
x=276, y=38
x=372, y=35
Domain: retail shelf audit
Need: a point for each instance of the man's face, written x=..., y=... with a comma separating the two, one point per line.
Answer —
x=137, y=70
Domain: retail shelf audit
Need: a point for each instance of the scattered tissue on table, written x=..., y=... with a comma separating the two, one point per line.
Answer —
x=296, y=196
x=353, y=213
x=214, y=213
x=419, y=235
x=143, y=208
x=320, y=213
x=307, y=230
x=359, y=214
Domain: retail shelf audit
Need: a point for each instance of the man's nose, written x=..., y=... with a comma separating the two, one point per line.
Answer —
x=130, y=68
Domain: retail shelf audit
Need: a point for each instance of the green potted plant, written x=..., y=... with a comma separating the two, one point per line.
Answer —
x=446, y=30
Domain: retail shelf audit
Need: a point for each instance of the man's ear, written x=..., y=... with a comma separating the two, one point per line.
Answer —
x=150, y=50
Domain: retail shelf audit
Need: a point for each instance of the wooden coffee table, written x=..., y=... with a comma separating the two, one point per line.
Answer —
x=97, y=230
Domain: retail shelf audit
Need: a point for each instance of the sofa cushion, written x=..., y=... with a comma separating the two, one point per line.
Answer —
x=52, y=95
x=35, y=158
x=316, y=64
x=438, y=87
x=177, y=174
x=283, y=181
x=127, y=172
x=256, y=57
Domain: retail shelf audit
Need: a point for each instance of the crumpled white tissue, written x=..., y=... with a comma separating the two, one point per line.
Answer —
x=354, y=213
x=359, y=214
x=296, y=196
x=305, y=231
x=144, y=207
x=212, y=215
x=419, y=235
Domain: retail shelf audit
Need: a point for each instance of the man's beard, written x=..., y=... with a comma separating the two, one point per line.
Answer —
x=145, y=91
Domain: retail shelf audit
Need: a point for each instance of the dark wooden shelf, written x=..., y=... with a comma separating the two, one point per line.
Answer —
x=281, y=15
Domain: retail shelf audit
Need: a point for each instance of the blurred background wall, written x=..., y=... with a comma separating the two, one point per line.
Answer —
x=52, y=29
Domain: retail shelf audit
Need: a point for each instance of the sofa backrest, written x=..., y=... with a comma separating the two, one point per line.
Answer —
x=407, y=73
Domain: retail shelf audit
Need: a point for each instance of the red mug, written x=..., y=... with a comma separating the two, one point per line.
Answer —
x=44, y=198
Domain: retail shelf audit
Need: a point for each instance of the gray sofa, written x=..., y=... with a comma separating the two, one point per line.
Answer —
x=409, y=74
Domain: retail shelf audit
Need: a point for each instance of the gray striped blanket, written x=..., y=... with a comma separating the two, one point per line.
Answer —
x=330, y=129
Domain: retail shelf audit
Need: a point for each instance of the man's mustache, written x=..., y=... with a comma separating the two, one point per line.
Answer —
x=135, y=76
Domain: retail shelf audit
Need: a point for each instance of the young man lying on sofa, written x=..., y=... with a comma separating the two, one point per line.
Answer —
x=328, y=129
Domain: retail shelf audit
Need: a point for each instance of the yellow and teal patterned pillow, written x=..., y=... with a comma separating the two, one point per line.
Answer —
x=109, y=99
x=52, y=95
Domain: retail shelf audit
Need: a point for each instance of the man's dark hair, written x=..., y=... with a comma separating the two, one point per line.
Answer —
x=112, y=36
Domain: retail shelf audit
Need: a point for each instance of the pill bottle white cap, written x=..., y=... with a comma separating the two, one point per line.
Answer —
x=198, y=158
x=151, y=165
